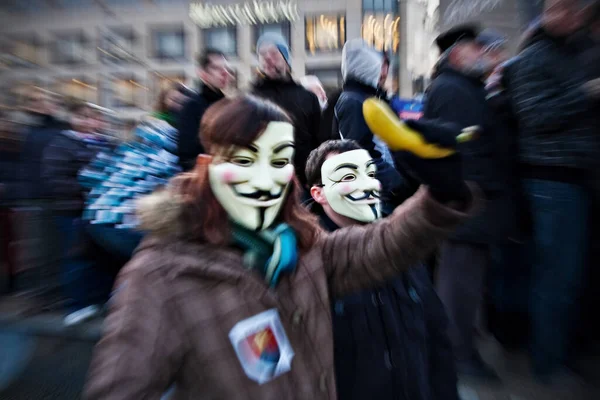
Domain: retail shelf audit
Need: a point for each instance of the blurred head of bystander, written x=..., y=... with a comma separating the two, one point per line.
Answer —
x=274, y=57
x=562, y=18
x=213, y=69
x=83, y=118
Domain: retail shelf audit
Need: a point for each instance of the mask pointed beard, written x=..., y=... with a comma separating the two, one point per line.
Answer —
x=350, y=186
x=252, y=182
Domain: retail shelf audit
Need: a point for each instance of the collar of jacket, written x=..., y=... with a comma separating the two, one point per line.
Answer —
x=210, y=94
x=448, y=69
x=354, y=85
x=266, y=83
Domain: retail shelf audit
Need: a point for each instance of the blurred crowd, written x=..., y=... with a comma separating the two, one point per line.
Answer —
x=71, y=173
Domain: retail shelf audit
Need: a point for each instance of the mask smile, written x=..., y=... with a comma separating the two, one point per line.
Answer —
x=369, y=197
x=260, y=198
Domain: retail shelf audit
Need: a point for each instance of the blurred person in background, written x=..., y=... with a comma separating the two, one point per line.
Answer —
x=457, y=95
x=494, y=50
x=110, y=215
x=229, y=295
x=362, y=68
x=559, y=148
x=213, y=72
x=65, y=155
x=390, y=341
x=382, y=84
x=275, y=83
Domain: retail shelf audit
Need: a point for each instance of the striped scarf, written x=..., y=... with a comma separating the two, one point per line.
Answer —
x=270, y=252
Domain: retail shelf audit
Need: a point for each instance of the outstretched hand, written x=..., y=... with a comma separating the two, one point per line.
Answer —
x=443, y=176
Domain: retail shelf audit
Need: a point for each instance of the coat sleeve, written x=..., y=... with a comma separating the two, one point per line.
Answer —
x=362, y=257
x=141, y=349
x=189, y=145
x=545, y=97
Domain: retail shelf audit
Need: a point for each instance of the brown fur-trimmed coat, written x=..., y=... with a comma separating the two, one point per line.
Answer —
x=177, y=301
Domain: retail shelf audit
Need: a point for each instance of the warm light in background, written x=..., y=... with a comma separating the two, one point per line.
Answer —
x=382, y=31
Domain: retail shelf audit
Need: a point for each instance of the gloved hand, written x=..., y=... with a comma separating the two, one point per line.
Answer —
x=435, y=131
x=443, y=176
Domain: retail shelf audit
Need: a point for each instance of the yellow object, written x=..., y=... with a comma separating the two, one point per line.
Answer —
x=384, y=123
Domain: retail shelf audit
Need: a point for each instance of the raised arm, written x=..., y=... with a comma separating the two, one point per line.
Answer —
x=361, y=257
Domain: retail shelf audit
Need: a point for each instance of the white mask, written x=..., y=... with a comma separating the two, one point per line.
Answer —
x=252, y=183
x=350, y=187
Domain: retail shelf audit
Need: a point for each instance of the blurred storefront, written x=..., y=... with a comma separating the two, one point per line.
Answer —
x=119, y=53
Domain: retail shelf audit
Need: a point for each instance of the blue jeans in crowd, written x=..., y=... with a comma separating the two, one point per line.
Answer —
x=560, y=214
x=82, y=279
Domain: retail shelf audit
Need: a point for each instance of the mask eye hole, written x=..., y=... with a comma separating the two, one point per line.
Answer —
x=242, y=161
x=371, y=174
x=348, y=178
x=280, y=163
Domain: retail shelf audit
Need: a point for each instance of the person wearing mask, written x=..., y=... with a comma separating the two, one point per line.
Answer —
x=213, y=72
x=229, y=295
x=67, y=153
x=362, y=68
x=458, y=95
x=276, y=84
x=389, y=342
x=558, y=151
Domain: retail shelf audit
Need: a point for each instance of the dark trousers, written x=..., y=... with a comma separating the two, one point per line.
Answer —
x=82, y=279
x=560, y=213
x=460, y=284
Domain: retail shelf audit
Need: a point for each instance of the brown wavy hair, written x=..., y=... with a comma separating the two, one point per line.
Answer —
x=228, y=124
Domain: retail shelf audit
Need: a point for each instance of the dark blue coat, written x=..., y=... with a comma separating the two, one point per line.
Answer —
x=391, y=342
x=487, y=160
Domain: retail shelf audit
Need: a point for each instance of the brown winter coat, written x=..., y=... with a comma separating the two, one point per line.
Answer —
x=177, y=302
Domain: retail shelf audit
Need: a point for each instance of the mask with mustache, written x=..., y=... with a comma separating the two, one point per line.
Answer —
x=350, y=186
x=251, y=183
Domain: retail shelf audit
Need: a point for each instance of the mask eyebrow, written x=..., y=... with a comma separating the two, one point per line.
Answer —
x=369, y=163
x=282, y=146
x=252, y=148
x=351, y=166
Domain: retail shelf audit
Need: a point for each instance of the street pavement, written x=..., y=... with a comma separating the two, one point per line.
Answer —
x=58, y=368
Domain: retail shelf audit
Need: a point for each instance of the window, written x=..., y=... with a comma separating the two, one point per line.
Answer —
x=325, y=33
x=80, y=88
x=117, y=45
x=380, y=27
x=283, y=28
x=223, y=39
x=69, y=48
x=380, y=6
x=168, y=43
x=127, y=91
x=21, y=51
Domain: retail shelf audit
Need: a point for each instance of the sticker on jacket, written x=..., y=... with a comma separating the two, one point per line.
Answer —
x=262, y=346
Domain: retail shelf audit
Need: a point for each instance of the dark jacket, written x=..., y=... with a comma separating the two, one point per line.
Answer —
x=553, y=110
x=350, y=124
x=304, y=109
x=64, y=156
x=189, y=146
x=36, y=139
x=457, y=98
x=177, y=301
x=391, y=342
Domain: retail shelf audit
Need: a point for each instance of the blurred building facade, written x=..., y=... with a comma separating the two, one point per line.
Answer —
x=118, y=53
x=507, y=16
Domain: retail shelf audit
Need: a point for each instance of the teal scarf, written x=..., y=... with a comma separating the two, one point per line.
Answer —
x=270, y=252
